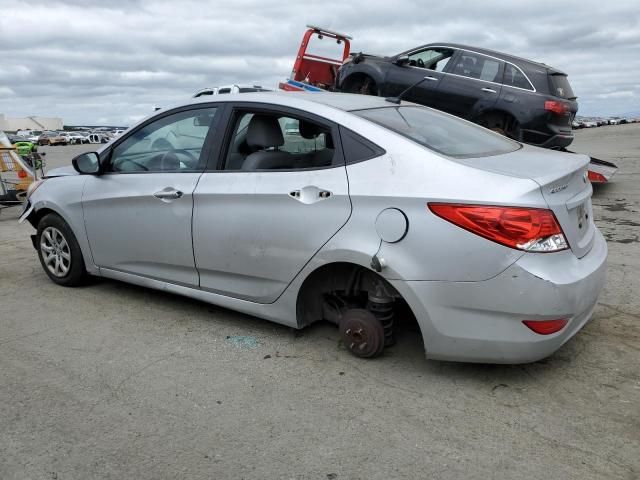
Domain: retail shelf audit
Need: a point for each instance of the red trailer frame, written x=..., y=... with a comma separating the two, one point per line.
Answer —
x=316, y=70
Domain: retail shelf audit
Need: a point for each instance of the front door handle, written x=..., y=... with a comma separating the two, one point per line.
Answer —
x=431, y=79
x=489, y=90
x=168, y=193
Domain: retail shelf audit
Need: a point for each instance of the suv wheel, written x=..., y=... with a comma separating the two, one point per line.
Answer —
x=503, y=124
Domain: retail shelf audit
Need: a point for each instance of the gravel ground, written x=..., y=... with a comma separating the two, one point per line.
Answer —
x=116, y=381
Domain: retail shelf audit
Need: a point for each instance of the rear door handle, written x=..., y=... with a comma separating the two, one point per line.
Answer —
x=310, y=194
x=168, y=194
x=431, y=79
x=489, y=90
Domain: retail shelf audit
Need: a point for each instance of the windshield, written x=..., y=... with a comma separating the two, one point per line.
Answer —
x=440, y=132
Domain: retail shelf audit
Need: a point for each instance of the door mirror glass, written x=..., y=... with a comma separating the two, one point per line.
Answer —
x=87, y=163
x=402, y=60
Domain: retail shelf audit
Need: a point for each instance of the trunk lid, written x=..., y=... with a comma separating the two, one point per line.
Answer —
x=563, y=182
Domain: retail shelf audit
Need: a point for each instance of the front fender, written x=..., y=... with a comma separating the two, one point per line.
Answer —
x=367, y=67
x=63, y=196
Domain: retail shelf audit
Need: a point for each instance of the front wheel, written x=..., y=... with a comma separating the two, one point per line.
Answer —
x=59, y=252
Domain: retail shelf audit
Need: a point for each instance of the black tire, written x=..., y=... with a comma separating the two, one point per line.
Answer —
x=503, y=124
x=68, y=272
x=363, y=86
x=362, y=333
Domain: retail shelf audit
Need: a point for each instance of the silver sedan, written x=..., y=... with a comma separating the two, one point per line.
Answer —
x=302, y=207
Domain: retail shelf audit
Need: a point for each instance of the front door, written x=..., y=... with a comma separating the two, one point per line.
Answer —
x=424, y=66
x=279, y=196
x=138, y=213
x=472, y=85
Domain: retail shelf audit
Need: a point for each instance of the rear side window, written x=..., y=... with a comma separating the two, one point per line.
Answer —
x=560, y=87
x=356, y=148
x=477, y=66
x=440, y=132
x=514, y=77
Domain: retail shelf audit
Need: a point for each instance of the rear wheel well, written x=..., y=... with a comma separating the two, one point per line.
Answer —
x=331, y=285
x=501, y=122
x=360, y=83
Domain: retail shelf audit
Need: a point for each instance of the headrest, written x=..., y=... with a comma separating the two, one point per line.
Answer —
x=308, y=130
x=264, y=131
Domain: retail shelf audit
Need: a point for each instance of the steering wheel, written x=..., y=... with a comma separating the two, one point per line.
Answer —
x=167, y=158
x=420, y=63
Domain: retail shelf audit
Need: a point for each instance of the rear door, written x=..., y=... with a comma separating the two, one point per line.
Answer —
x=425, y=66
x=471, y=86
x=254, y=229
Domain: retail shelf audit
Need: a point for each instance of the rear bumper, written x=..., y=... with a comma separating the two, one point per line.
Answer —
x=482, y=321
x=547, y=140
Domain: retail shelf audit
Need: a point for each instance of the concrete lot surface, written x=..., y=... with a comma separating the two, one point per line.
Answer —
x=116, y=381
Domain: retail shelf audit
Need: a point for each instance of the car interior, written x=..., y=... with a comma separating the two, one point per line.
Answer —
x=264, y=141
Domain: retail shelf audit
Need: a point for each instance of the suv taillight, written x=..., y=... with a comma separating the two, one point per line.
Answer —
x=559, y=108
x=528, y=229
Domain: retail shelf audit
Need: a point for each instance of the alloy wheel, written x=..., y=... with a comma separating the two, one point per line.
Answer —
x=56, y=253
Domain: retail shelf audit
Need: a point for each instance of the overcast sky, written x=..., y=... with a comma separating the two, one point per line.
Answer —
x=111, y=61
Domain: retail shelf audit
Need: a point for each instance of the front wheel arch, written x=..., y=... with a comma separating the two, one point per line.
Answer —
x=361, y=83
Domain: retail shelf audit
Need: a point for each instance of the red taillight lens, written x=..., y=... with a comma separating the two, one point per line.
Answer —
x=559, y=108
x=595, y=177
x=530, y=229
x=546, y=327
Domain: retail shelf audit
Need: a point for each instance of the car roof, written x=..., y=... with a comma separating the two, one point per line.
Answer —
x=519, y=61
x=341, y=101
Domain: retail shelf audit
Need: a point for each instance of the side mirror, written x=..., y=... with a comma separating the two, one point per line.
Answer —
x=402, y=60
x=87, y=163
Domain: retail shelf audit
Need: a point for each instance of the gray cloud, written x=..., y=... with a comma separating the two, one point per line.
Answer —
x=112, y=61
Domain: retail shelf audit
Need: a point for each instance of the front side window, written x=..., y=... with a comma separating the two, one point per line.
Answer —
x=432, y=58
x=477, y=66
x=269, y=141
x=440, y=132
x=170, y=144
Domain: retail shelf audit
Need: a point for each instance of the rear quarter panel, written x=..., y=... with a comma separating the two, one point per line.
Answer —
x=407, y=177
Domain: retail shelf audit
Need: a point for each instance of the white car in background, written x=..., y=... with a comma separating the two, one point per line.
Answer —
x=76, y=138
x=230, y=89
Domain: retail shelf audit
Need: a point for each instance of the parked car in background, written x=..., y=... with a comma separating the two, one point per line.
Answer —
x=99, y=137
x=22, y=145
x=230, y=89
x=375, y=205
x=52, y=138
x=76, y=138
x=527, y=101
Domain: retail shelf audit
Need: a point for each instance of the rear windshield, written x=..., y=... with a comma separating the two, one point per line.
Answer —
x=560, y=87
x=440, y=132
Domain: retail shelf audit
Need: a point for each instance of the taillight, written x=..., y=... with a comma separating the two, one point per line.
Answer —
x=529, y=229
x=546, y=327
x=596, y=177
x=559, y=108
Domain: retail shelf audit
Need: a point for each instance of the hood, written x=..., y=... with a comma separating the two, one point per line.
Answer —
x=61, y=172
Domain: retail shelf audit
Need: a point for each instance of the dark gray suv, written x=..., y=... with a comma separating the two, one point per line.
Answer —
x=528, y=101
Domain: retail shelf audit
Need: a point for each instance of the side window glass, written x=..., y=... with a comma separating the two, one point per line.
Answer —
x=514, y=77
x=432, y=59
x=477, y=66
x=265, y=141
x=356, y=148
x=170, y=144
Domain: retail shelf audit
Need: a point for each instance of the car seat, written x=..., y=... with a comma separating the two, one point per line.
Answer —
x=317, y=158
x=264, y=132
